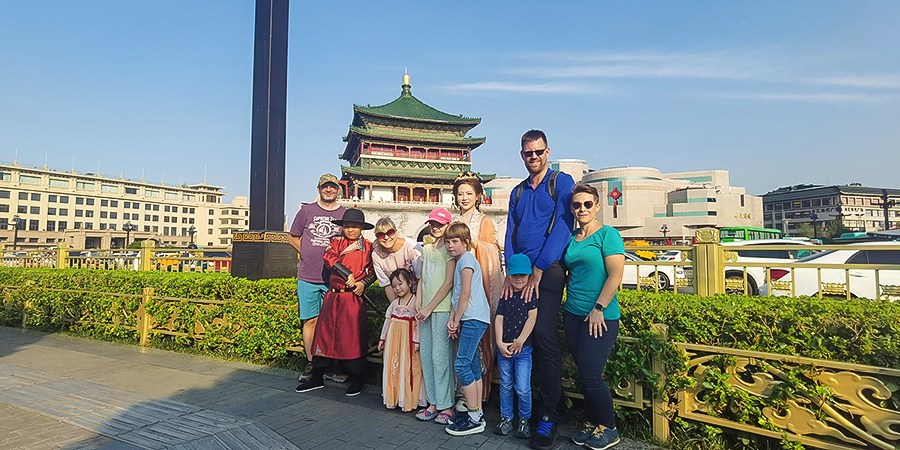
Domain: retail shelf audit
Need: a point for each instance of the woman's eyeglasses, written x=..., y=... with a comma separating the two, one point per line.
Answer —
x=386, y=234
x=587, y=205
x=529, y=154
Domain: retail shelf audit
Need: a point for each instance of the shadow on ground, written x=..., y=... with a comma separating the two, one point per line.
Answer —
x=64, y=392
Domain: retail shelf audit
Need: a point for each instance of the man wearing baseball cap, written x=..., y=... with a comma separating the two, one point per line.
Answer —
x=311, y=232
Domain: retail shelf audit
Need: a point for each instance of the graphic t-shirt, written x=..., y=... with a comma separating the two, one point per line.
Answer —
x=315, y=228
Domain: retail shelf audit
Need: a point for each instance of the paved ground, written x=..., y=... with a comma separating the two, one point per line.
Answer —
x=59, y=392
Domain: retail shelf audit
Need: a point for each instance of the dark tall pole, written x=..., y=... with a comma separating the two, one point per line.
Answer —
x=269, y=110
x=263, y=251
x=887, y=204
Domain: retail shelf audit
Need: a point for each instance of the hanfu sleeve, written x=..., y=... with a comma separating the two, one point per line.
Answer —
x=387, y=320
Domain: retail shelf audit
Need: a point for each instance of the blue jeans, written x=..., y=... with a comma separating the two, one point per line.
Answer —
x=515, y=372
x=468, y=367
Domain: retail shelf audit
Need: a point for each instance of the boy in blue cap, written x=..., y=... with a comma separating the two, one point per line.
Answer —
x=513, y=325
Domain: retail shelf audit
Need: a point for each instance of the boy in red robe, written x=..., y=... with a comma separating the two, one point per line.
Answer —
x=341, y=328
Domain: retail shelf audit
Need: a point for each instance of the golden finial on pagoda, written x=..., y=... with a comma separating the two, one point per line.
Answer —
x=406, y=87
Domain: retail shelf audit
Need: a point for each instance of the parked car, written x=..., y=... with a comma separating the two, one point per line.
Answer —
x=862, y=281
x=671, y=255
x=756, y=276
x=665, y=275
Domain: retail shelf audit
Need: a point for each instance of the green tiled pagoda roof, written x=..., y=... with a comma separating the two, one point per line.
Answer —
x=409, y=107
x=406, y=173
x=416, y=136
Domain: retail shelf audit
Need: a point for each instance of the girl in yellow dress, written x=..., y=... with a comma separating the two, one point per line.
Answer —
x=402, y=381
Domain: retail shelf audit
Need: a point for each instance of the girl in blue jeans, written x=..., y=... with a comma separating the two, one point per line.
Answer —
x=470, y=317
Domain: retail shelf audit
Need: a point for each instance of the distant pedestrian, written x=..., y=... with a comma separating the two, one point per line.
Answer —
x=401, y=382
x=539, y=226
x=311, y=232
x=595, y=257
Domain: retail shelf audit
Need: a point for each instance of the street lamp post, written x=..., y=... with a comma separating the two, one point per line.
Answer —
x=128, y=227
x=664, y=230
x=815, y=219
x=191, y=231
x=840, y=212
x=16, y=223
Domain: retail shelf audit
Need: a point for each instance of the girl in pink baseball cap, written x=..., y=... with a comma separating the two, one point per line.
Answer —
x=433, y=304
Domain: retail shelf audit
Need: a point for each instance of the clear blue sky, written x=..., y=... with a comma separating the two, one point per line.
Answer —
x=776, y=92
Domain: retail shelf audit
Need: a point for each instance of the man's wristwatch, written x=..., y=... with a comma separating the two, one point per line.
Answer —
x=599, y=307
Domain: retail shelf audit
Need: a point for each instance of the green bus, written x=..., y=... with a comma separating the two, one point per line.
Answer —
x=731, y=234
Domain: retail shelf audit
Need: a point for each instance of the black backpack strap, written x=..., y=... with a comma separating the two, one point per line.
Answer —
x=517, y=193
x=551, y=188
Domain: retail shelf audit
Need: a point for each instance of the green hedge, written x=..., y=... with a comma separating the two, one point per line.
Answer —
x=857, y=331
x=252, y=330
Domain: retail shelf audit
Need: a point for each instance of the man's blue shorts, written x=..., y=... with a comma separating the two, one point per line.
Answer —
x=309, y=297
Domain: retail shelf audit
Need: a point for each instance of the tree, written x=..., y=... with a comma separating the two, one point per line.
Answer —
x=824, y=230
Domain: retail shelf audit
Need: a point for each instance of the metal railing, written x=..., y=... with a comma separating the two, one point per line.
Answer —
x=706, y=268
x=847, y=418
x=148, y=258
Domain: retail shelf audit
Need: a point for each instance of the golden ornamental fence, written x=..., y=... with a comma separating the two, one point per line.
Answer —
x=849, y=406
x=705, y=268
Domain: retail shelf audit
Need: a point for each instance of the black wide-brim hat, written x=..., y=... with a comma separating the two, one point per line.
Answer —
x=354, y=215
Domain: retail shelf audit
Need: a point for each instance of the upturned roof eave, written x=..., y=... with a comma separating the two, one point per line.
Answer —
x=473, y=121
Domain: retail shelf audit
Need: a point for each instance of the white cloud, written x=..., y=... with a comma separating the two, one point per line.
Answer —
x=525, y=87
x=645, y=65
x=820, y=97
x=864, y=81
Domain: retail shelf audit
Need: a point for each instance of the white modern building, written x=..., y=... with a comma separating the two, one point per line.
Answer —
x=642, y=202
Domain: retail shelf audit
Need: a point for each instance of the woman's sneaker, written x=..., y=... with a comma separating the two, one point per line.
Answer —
x=524, y=430
x=602, y=438
x=461, y=405
x=582, y=436
x=504, y=427
x=465, y=426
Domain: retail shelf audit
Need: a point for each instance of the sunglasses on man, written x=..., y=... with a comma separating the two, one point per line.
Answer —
x=530, y=153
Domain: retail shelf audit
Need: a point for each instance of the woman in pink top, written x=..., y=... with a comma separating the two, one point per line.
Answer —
x=392, y=252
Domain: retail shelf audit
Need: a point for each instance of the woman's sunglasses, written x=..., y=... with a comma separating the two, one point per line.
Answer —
x=587, y=205
x=386, y=234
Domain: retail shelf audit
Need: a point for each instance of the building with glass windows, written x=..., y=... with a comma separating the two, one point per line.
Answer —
x=91, y=211
x=858, y=207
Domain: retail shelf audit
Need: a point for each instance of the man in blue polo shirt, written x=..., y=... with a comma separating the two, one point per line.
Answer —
x=539, y=225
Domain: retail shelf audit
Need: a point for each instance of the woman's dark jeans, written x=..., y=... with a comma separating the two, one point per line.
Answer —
x=590, y=356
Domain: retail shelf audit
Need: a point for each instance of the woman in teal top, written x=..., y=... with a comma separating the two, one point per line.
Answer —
x=595, y=258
